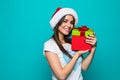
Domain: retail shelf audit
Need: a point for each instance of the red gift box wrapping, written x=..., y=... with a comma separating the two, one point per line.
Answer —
x=78, y=42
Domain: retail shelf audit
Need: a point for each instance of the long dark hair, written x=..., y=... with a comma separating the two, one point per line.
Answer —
x=66, y=37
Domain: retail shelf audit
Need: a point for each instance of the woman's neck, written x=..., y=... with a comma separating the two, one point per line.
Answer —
x=61, y=37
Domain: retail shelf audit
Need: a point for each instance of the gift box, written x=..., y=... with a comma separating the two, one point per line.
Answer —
x=78, y=38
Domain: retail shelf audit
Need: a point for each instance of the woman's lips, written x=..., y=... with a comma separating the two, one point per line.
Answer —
x=67, y=29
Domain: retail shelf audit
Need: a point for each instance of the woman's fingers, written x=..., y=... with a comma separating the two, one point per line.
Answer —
x=90, y=42
x=82, y=52
x=91, y=39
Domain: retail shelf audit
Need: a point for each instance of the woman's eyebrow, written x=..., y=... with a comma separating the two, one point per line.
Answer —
x=65, y=19
x=68, y=19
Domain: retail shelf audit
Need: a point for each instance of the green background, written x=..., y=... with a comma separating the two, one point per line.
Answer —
x=24, y=27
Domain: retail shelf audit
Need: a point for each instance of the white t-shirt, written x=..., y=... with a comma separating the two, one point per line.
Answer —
x=51, y=46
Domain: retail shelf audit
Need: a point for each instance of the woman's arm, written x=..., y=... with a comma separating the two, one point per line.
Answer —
x=54, y=62
x=86, y=62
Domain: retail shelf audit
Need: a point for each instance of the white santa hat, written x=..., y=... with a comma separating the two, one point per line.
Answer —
x=60, y=12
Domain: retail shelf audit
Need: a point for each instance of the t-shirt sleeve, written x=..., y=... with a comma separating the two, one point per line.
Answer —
x=49, y=46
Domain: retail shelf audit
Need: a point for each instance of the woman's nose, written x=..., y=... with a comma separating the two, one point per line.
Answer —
x=68, y=24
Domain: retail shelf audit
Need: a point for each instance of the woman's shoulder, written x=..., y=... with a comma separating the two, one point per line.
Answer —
x=50, y=41
x=50, y=45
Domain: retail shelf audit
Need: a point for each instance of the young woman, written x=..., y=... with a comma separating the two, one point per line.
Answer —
x=65, y=63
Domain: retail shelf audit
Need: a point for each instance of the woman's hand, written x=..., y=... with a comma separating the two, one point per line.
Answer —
x=91, y=39
x=81, y=52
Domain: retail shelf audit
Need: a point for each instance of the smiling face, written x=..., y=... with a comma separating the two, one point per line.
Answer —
x=66, y=26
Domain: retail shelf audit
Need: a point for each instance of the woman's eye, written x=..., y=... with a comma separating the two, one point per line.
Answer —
x=64, y=21
x=72, y=22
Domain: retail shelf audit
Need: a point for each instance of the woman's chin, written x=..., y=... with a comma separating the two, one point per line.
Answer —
x=66, y=33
